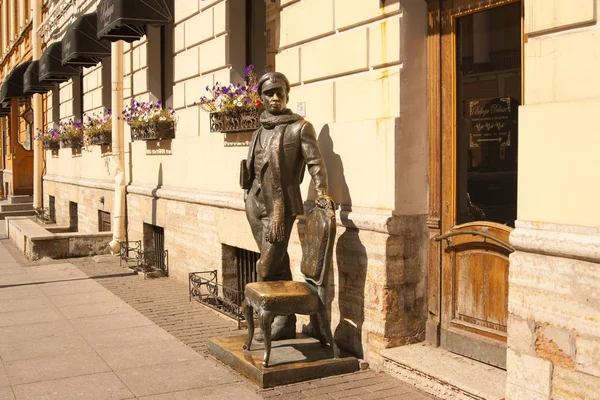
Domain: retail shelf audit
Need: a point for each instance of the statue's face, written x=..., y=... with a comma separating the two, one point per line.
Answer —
x=275, y=100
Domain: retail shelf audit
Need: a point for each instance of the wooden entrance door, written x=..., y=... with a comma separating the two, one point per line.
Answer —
x=481, y=85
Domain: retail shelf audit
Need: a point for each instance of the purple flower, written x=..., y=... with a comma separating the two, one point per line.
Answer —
x=248, y=70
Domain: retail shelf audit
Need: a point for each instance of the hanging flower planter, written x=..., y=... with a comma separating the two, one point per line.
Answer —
x=71, y=142
x=234, y=107
x=236, y=120
x=71, y=134
x=50, y=145
x=149, y=120
x=100, y=138
x=154, y=131
x=97, y=128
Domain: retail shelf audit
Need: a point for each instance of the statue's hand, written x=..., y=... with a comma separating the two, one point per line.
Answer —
x=324, y=201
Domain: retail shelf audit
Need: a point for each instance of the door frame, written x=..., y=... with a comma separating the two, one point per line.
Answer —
x=441, y=99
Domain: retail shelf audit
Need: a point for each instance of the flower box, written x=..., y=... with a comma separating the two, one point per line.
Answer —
x=71, y=142
x=100, y=138
x=50, y=145
x=236, y=120
x=154, y=131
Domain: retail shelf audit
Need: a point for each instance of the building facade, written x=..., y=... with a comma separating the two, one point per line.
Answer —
x=16, y=119
x=465, y=213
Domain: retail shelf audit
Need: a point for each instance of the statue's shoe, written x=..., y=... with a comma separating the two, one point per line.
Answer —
x=282, y=328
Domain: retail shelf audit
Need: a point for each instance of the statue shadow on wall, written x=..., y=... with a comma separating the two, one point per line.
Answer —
x=351, y=256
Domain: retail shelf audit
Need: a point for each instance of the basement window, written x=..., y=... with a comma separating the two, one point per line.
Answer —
x=239, y=267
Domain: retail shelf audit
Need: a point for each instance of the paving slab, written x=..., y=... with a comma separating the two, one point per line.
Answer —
x=54, y=367
x=3, y=376
x=102, y=386
x=146, y=354
x=217, y=392
x=19, y=291
x=19, y=333
x=54, y=272
x=10, y=269
x=178, y=376
x=128, y=337
x=17, y=279
x=6, y=393
x=111, y=322
x=94, y=310
x=29, y=317
x=44, y=347
x=26, y=303
x=75, y=299
x=70, y=287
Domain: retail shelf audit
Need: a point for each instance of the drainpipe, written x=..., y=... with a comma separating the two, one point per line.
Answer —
x=118, y=154
x=38, y=124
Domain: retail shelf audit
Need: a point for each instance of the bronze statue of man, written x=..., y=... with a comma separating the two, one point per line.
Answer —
x=279, y=152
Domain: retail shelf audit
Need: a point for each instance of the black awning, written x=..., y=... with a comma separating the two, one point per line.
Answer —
x=51, y=67
x=31, y=80
x=127, y=19
x=81, y=46
x=13, y=83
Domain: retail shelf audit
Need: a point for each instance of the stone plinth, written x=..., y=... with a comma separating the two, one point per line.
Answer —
x=292, y=361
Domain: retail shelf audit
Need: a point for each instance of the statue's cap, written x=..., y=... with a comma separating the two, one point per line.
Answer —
x=272, y=80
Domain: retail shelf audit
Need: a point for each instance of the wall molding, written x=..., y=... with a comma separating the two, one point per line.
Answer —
x=557, y=240
x=83, y=182
x=369, y=219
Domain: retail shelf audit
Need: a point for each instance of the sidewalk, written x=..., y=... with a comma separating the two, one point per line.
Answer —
x=77, y=329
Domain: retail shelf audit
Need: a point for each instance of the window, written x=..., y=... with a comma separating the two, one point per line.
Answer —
x=73, y=217
x=106, y=83
x=52, y=208
x=238, y=267
x=154, y=246
x=248, y=43
x=160, y=63
x=77, y=83
x=55, y=106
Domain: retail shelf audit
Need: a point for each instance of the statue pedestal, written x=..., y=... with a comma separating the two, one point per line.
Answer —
x=294, y=360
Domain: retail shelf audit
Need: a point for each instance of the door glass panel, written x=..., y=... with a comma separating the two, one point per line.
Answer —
x=488, y=52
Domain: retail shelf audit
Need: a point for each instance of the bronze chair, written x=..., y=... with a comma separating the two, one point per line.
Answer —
x=291, y=297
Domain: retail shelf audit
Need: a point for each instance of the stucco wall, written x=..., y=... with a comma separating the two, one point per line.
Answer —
x=553, y=328
x=558, y=124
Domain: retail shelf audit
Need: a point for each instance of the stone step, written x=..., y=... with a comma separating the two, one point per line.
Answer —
x=20, y=199
x=443, y=374
x=16, y=207
x=23, y=213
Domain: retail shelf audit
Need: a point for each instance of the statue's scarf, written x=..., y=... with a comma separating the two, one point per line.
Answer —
x=275, y=204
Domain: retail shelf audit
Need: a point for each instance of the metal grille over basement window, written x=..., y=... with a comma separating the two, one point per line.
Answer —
x=245, y=261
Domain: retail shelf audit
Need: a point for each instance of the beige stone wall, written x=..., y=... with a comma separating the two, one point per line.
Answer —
x=554, y=306
x=553, y=327
x=90, y=195
x=7, y=178
x=90, y=164
x=361, y=54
